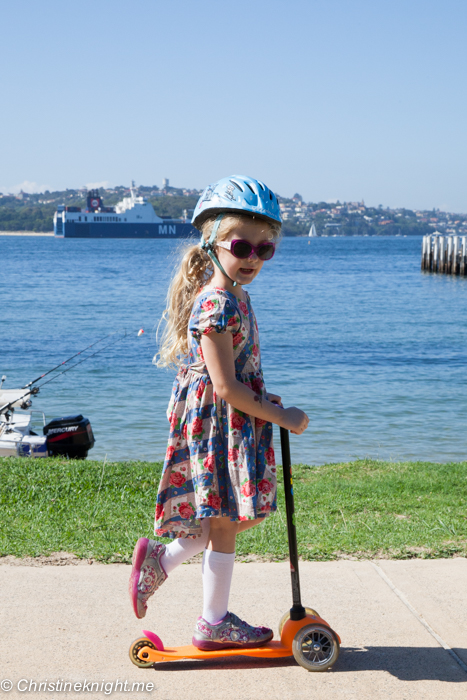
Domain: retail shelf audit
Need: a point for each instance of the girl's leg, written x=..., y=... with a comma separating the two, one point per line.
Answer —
x=218, y=564
x=183, y=548
x=222, y=535
x=217, y=628
x=153, y=561
x=218, y=561
x=223, y=532
x=247, y=524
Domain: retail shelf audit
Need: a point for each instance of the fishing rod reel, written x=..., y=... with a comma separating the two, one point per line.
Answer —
x=17, y=399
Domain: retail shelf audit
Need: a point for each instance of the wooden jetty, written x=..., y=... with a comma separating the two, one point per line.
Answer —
x=446, y=254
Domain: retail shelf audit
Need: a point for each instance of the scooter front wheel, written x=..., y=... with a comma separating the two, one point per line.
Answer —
x=286, y=616
x=137, y=645
x=315, y=647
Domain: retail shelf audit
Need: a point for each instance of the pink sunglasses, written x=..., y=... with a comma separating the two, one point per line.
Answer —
x=244, y=249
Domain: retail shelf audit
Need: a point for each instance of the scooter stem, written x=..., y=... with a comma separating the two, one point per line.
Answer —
x=297, y=611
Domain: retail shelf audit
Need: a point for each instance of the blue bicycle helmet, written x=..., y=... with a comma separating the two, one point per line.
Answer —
x=237, y=194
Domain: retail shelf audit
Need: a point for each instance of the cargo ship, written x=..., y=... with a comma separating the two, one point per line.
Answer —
x=133, y=217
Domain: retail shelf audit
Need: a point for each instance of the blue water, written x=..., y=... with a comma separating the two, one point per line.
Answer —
x=351, y=332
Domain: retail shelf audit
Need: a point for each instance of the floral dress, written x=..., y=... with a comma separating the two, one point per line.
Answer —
x=219, y=461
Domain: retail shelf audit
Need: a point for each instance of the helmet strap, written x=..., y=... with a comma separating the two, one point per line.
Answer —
x=208, y=246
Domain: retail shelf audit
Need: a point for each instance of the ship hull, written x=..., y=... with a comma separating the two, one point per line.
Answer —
x=71, y=229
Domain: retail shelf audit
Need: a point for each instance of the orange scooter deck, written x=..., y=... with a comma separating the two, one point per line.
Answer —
x=273, y=650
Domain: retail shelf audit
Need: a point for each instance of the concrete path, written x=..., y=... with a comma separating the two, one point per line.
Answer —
x=395, y=618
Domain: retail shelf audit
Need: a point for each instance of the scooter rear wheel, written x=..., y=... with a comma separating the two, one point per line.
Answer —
x=286, y=616
x=137, y=645
x=315, y=647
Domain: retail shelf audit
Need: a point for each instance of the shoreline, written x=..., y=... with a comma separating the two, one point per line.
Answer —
x=25, y=233
x=301, y=235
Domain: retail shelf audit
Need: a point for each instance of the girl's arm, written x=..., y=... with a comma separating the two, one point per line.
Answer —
x=218, y=354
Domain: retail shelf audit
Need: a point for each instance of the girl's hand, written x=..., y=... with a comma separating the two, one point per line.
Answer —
x=274, y=398
x=294, y=420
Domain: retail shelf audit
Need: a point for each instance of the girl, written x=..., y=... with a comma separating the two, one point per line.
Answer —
x=219, y=475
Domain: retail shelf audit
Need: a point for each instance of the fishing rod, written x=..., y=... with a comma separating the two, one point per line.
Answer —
x=26, y=386
x=35, y=390
x=88, y=357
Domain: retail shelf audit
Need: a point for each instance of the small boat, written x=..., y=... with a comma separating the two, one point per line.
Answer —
x=69, y=436
x=312, y=232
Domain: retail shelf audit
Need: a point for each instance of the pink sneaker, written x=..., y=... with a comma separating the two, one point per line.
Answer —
x=147, y=574
x=229, y=633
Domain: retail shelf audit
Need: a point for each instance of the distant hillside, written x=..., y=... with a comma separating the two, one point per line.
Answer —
x=356, y=219
x=25, y=212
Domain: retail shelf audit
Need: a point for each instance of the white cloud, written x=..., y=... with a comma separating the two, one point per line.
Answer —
x=95, y=185
x=26, y=186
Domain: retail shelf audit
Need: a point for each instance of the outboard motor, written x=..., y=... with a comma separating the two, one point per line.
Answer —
x=70, y=436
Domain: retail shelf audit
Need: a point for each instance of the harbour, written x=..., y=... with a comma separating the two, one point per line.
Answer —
x=350, y=331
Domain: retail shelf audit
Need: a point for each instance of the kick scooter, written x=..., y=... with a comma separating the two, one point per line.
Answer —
x=303, y=633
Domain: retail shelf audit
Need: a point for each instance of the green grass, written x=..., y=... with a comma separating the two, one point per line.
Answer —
x=363, y=509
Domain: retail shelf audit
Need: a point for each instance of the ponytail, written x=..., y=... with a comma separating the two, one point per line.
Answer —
x=194, y=270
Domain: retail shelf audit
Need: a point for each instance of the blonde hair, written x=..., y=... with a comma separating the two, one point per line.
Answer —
x=194, y=270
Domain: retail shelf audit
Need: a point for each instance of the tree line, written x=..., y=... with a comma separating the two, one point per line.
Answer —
x=34, y=215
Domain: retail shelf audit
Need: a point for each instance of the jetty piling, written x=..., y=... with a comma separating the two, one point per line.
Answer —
x=462, y=267
x=455, y=257
x=424, y=247
x=445, y=254
x=442, y=253
x=436, y=255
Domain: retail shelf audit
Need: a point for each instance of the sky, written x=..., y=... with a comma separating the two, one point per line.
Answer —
x=333, y=99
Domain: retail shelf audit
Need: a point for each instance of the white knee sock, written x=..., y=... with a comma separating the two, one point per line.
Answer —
x=183, y=548
x=217, y=575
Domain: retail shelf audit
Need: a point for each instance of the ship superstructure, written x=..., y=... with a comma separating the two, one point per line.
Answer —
x=133, y=217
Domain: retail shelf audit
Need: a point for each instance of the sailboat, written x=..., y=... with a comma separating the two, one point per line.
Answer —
x=312, y=232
